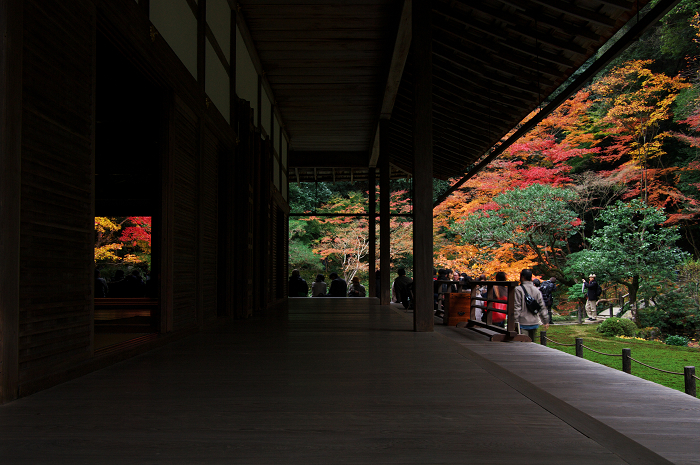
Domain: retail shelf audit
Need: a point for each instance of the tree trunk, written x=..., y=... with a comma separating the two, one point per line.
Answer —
x=633, y=288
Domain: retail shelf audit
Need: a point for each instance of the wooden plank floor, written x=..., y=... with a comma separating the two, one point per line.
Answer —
x=664, y=420
x=335, y=381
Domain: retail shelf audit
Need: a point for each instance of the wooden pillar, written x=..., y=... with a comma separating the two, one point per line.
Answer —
x=372, y=226
x=384, y=210
x=228, y=208
x=201, y=42
x=422, y=166
x=201, y=82
x=11, y=37
x=243, y=222
x=145, y=6
x=167, y=237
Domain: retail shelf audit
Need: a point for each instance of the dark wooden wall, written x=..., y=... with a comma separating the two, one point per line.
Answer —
x=223, y=226
x=11, y=52
x=185, y=190
x=57, y=207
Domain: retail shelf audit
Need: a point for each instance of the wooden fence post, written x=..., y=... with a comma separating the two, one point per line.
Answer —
x=688, y=374
x=627, y=360
x=579, y=347
x=543, y=338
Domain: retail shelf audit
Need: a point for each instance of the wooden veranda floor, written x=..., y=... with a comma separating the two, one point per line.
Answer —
x=346, y=381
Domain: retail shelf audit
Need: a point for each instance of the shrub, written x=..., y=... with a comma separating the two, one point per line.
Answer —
x=650, y=333
x=617, y=327
x=675, y=313
x=676, y=341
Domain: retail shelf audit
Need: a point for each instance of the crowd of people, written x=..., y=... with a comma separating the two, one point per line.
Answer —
x=121, y=285
x=298, y=287
x=447, y=281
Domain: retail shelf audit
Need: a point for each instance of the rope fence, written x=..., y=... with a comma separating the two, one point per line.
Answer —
x=603, y=353
x=688, y=372
x=558, y=343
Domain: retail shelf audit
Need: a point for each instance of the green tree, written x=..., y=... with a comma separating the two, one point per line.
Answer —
x=633, y=248
x=538, y=219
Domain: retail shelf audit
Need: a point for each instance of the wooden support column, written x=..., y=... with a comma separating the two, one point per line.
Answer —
x=423, y=166
x=11, y=44
x=167, y=237
x=384, y=210
x=228, y=209
x=372, y=225
x=201, y=82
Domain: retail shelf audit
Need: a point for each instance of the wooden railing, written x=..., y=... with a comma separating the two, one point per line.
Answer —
x=487, y=328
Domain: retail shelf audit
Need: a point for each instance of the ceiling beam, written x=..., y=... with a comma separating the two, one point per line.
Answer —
x=402, y=45
x=327, y=159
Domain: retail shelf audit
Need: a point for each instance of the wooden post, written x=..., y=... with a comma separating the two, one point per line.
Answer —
x=422, y=165
x=611, y=310
x=384, y=210
x=627, y=360
x=233, y=97
x=145, y=6
x=11, y=43
x=201, y=42
x=489, y=304
x=543, y=338
x=689, y=376
x=510, y=322
x=579, y=347
x=372, y=225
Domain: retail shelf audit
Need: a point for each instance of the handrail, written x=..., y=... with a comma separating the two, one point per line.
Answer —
x=503, y=334
x=688, y=373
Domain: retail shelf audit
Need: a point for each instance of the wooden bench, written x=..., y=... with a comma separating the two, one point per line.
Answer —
x=126, y=314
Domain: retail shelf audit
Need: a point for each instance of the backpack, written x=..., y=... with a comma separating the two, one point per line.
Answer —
x=598, y=291
x=533, y=306
x=546, y=289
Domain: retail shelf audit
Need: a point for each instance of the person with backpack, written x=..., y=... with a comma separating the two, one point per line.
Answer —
x=592, y=294
x=529, y=308
x=547, y=289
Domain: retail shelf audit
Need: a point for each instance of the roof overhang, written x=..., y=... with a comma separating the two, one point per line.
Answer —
x=337, y=67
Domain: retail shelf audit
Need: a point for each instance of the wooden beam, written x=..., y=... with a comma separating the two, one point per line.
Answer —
x=11, y=49
x=372, y=225
x=327, y=159
x=571, y=9
x=201, y=15
x=384, y=212
x=402, y=46
x=423, y=166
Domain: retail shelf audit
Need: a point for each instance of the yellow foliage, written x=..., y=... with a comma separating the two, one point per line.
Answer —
x=104, y=225
x=107, y=252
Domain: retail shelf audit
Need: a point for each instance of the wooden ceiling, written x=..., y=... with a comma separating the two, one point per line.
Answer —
x=494, y=62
